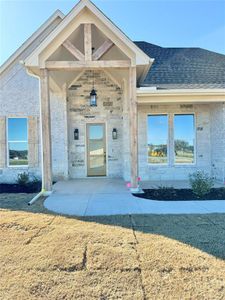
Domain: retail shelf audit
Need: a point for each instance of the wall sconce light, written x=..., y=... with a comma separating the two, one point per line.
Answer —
x=76, y=134
x=114, y=134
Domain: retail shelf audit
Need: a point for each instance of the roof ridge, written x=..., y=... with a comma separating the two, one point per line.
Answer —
x=180, y=48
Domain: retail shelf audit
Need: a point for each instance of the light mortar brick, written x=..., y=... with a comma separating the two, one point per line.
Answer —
x=19, y=97
x=217, y=117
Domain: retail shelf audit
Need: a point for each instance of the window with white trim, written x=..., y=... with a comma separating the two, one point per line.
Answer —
x=17, y=142
x=157, y=139
x=184, y=139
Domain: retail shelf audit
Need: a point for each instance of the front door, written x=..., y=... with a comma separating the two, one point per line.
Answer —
x=96, y=150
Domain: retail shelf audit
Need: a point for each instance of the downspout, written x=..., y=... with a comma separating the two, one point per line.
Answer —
x=43, y=192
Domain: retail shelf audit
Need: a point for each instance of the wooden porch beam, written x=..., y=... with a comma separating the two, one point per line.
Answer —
x=87, y=42
x=105, y=47
x=74, y=65
x=46, y=131
x=73, y=50
x=133, y=127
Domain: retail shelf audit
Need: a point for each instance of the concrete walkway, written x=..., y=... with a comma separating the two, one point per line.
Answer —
x=104, y=196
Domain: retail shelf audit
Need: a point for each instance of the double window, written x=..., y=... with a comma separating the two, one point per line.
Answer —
x=17, y=142
x=180, y=137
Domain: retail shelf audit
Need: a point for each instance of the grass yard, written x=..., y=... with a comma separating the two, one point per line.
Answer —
x=47, y=256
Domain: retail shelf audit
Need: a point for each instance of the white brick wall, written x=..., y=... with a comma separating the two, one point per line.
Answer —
x=59, y=136
x=217, y=117
x=19, y=97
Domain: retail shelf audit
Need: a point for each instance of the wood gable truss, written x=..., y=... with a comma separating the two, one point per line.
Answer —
x=90, y=58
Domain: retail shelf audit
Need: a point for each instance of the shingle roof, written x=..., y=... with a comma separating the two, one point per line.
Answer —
x=184, y=67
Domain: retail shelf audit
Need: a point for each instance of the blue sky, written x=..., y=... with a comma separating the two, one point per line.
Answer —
x=178, y=23
x=20, y=134
x=184, y=128
x=158, y=129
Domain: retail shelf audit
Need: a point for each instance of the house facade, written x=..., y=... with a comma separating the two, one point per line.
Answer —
x=80, y=99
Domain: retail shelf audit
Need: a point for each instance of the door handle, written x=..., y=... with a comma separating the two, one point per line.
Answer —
x=105, y=157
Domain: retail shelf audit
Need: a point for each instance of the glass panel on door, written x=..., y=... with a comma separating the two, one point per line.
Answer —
x=96, y=150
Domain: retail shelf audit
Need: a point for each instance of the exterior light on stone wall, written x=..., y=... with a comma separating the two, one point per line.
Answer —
x=93, y=98
x=76, y=134
x=93, y=94
x=114, y=134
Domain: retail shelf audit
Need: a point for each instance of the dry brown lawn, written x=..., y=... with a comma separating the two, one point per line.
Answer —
x=47, y=256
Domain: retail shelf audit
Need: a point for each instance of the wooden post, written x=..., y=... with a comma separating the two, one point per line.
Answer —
x=2, y=142
x=46, y=132
x=87, y=42
x=133, y=127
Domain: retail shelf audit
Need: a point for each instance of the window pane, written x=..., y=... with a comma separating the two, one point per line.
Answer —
x=96, y=132
x=157, y=139
x=17, y=129
x=184, y=139
x=18, y=154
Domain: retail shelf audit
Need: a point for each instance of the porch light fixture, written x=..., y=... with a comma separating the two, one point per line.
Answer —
x=76, y=134
x=114, y=134
x=93, y=98
x=93, y=94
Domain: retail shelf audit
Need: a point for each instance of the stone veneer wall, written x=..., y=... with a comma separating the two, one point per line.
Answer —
x=203, y=142
x=109, y=111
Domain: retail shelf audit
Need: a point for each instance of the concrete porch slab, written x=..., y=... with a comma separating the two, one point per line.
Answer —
x=105, y=196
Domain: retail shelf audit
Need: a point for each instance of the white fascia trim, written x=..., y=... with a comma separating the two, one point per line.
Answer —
x=146, y=69
x=71, y=15
x=68, y=18
x=6, y=64
x=152, y=91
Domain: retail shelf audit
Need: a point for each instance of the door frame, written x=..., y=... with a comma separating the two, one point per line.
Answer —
x=106, y=146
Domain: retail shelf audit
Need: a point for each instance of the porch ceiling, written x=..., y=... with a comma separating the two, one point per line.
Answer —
x=59, y=79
